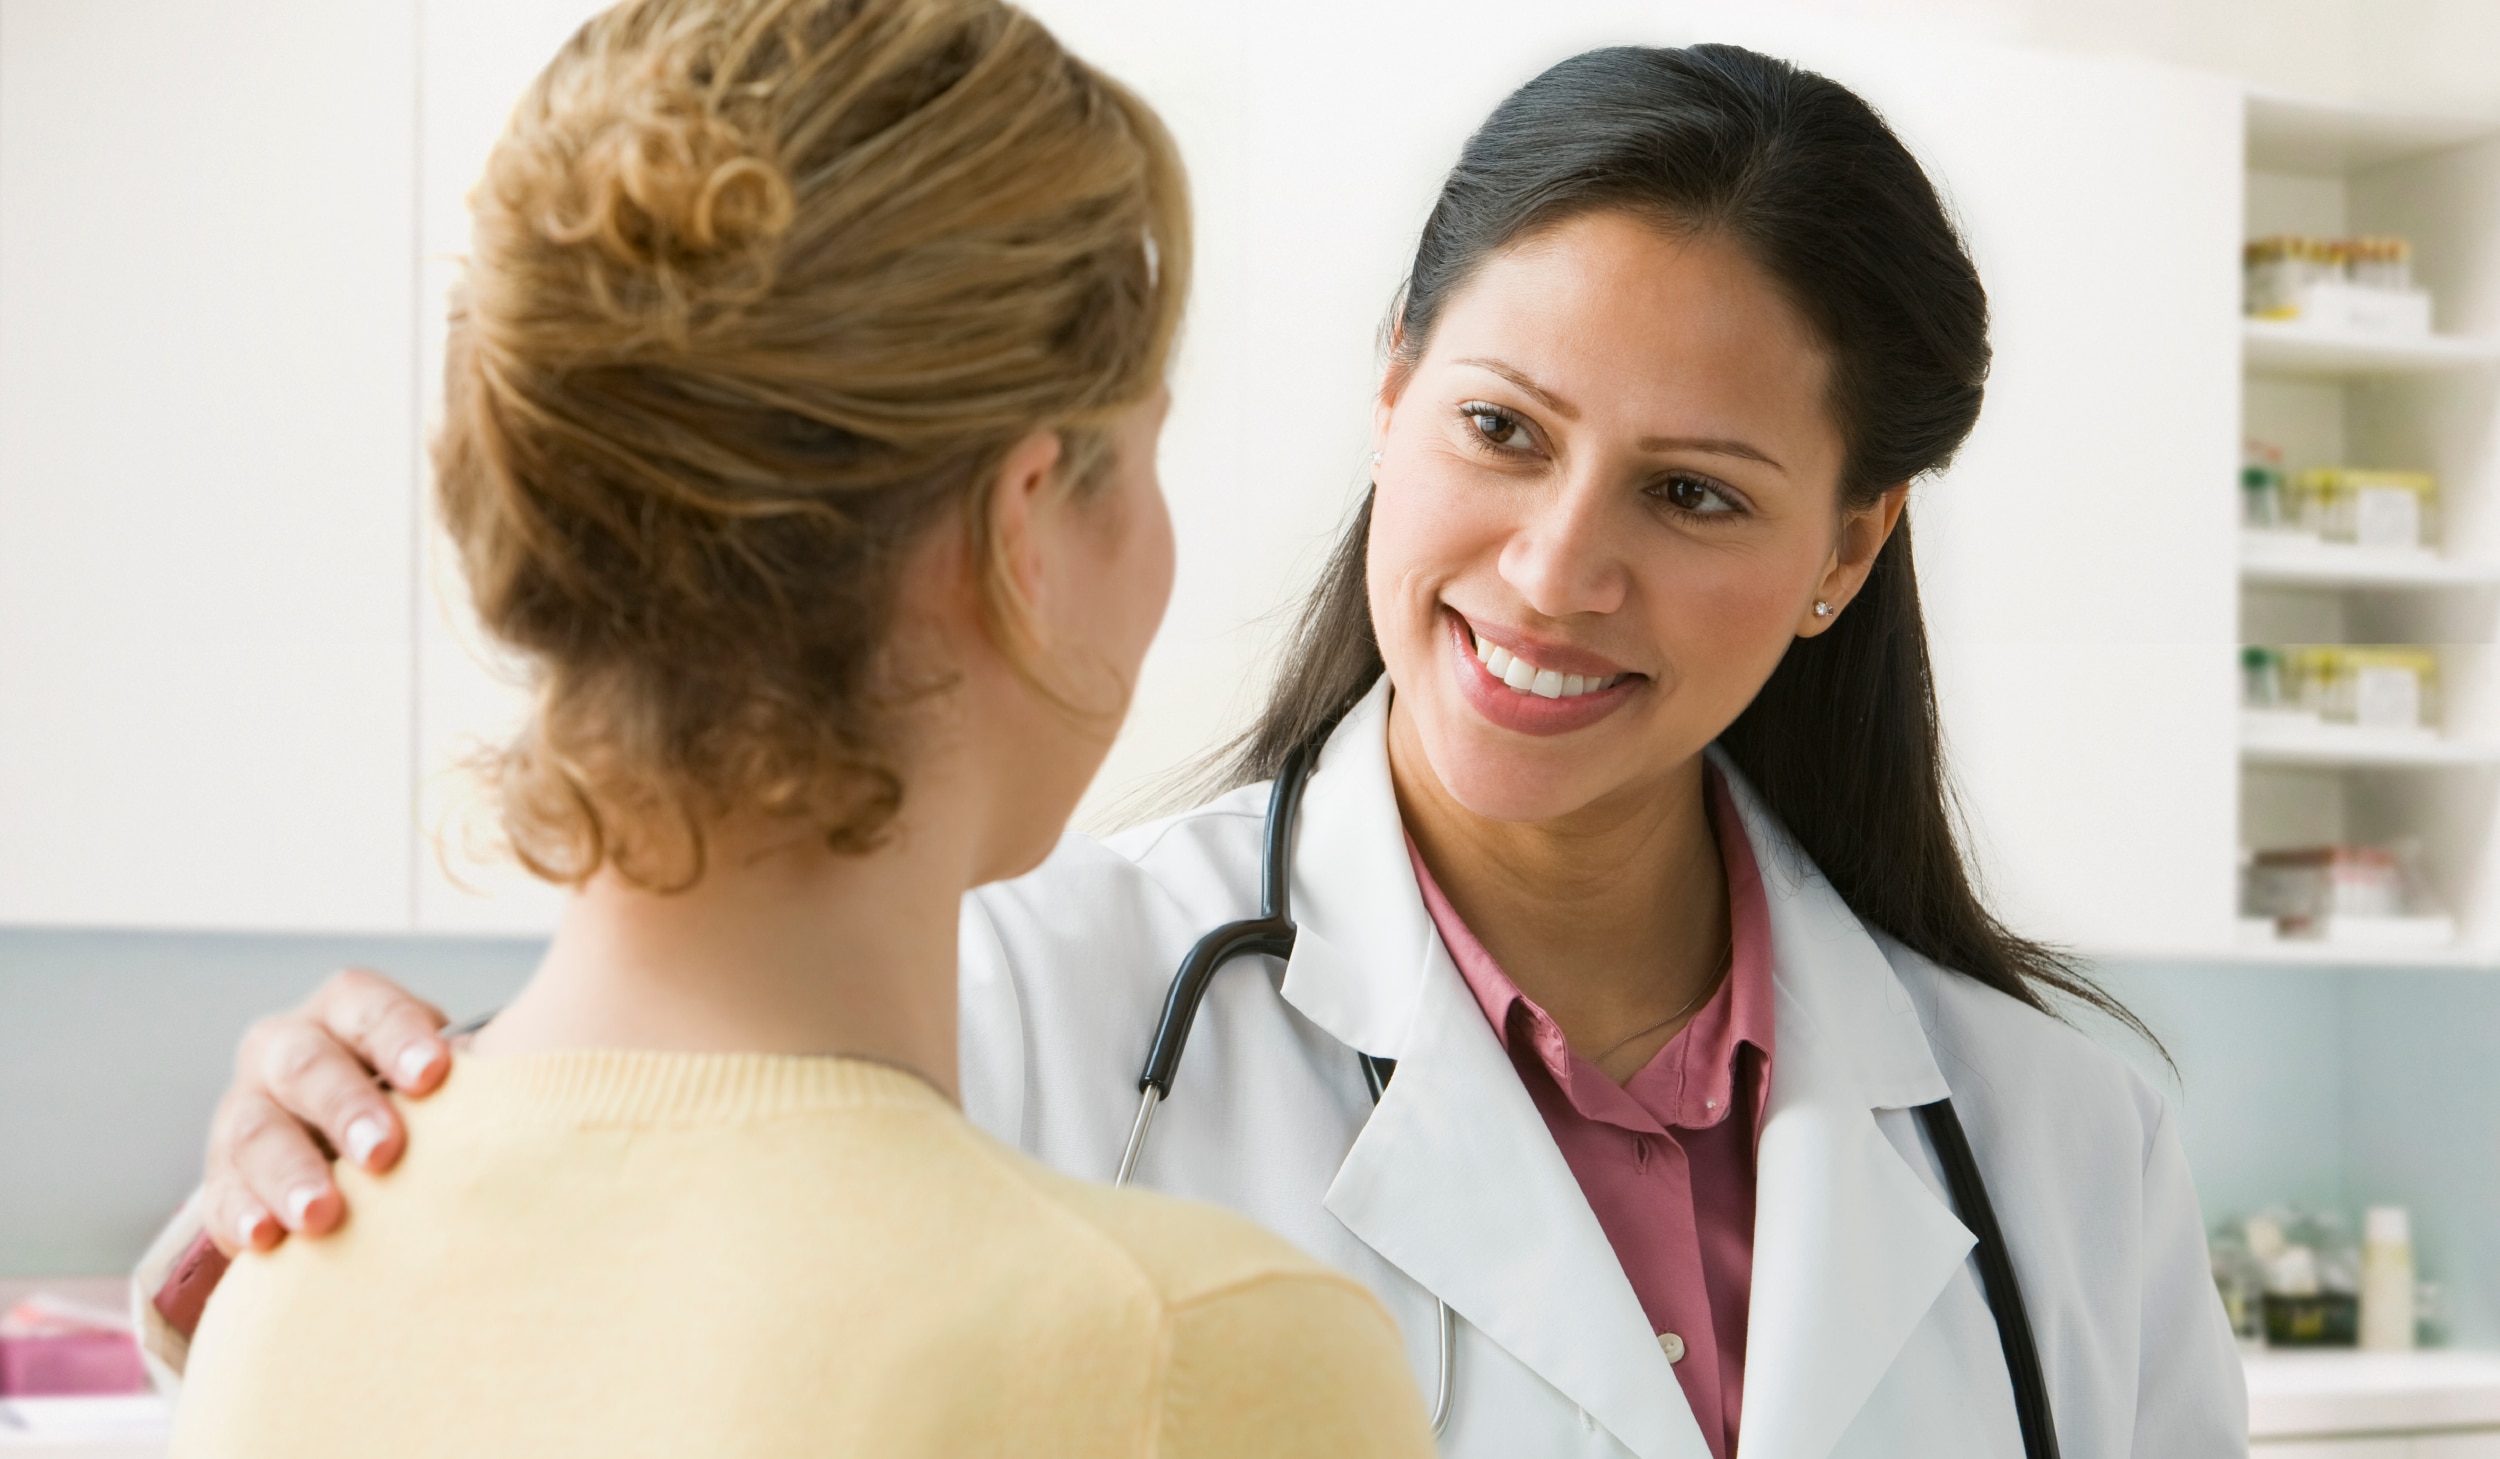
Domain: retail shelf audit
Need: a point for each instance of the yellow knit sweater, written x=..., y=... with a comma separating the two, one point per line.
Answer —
x=623, y=1253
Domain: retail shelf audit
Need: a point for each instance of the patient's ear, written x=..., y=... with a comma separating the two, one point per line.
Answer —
x=1025, y=536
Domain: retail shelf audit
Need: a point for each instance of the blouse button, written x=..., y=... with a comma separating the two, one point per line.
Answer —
x=1672, y=1346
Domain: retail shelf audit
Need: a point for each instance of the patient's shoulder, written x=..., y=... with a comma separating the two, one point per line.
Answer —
x=1181, y=1250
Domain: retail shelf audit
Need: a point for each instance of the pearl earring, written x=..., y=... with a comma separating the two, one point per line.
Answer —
x=1375, y=458
x=1822, y=609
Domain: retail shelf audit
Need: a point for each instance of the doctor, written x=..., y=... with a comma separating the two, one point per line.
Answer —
x=1629, y=847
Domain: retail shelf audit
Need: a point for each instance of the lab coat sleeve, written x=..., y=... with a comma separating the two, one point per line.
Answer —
x=990, y=1030
x=2192, y=1393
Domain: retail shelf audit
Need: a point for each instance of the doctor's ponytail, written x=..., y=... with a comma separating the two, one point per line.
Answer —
x=1842, y=742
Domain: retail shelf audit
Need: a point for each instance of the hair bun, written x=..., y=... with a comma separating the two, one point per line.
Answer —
x=674, y=201
x=758, y=292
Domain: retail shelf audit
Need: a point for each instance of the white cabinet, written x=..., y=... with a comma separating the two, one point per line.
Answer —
x=236, y=668
x=2075, y=560
x=207, y=437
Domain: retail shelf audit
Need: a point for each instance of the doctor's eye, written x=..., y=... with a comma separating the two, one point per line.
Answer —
x=1493, y=426
x=1697, y=496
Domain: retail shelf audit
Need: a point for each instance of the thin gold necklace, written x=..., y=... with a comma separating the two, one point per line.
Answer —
x=1727, y=955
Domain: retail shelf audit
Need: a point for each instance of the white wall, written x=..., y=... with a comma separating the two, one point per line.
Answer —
x=2434, y=56
x=206, y=455
x=309, y=693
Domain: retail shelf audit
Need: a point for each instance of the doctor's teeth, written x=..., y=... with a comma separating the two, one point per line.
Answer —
x=1527, y=678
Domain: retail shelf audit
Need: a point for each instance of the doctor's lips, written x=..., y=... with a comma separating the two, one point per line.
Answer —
x=1547, y=673
x=1535, y=688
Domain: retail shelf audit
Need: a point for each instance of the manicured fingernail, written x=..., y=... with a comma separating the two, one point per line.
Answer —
x=248, y=1225
x=364, y=1137
x=413, y=1062
x=298, y=1201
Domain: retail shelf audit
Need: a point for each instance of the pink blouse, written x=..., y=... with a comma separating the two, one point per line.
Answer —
x=1666, y=1160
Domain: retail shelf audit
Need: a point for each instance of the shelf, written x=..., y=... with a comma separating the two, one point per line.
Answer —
x=2323, y=1392
x=2343, y=746
x=2296, y=134
x=2308, y=563
x=2287, y=347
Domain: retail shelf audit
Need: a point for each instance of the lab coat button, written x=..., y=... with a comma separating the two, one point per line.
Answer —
x=1672, y=1346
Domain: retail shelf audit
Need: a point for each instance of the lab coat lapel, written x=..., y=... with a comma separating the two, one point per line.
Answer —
x=1851, y=1246
x=1358, y=953
x=1455, y=1179
x=1457, y=1182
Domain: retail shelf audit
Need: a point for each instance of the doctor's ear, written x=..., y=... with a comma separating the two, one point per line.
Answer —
x=1863, y=533
x=1398, y=368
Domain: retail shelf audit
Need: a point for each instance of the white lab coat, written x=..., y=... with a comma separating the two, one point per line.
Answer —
x=1869, y=1332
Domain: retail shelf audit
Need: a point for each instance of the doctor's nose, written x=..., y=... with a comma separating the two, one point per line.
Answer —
x=1561, y=558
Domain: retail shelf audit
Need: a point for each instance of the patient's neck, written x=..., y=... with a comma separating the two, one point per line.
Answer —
x=782, y=947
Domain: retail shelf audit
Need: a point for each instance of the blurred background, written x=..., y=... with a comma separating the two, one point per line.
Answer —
x=2213, y=588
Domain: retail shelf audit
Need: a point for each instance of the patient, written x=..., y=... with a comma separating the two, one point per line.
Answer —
x=800, y=435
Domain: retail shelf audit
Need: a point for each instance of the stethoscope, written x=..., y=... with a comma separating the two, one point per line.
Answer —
x=1271, y=934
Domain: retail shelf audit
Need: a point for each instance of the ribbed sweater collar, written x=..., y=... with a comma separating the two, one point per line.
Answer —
x=644, y=1087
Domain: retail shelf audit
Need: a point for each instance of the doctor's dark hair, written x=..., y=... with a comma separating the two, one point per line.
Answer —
x=1842, y=741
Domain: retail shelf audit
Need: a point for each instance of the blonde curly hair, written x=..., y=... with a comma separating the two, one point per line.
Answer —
x=762, y=291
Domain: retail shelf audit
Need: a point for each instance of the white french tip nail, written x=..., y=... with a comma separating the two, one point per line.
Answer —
x=299, y=1201
x=413, y=1062
x=364, y=1137
x=247, y=1226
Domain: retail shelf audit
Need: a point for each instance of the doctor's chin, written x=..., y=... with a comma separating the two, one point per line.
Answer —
x=936, y=728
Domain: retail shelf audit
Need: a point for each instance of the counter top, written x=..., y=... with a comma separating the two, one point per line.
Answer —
x=2334, y=1391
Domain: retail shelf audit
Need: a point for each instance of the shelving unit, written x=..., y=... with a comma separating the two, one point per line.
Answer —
x=2428, y=403
x=2309, y=564
x=2285, y=347
x=2343, y=747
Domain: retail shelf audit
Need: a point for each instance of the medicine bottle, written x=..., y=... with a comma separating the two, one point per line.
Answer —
x=2387, y=1280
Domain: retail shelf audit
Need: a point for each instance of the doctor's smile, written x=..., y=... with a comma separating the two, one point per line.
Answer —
x=1565, y=1022
x=1535, y=687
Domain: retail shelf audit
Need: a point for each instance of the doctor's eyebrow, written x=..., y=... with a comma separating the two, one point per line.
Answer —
x=1707, y=445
